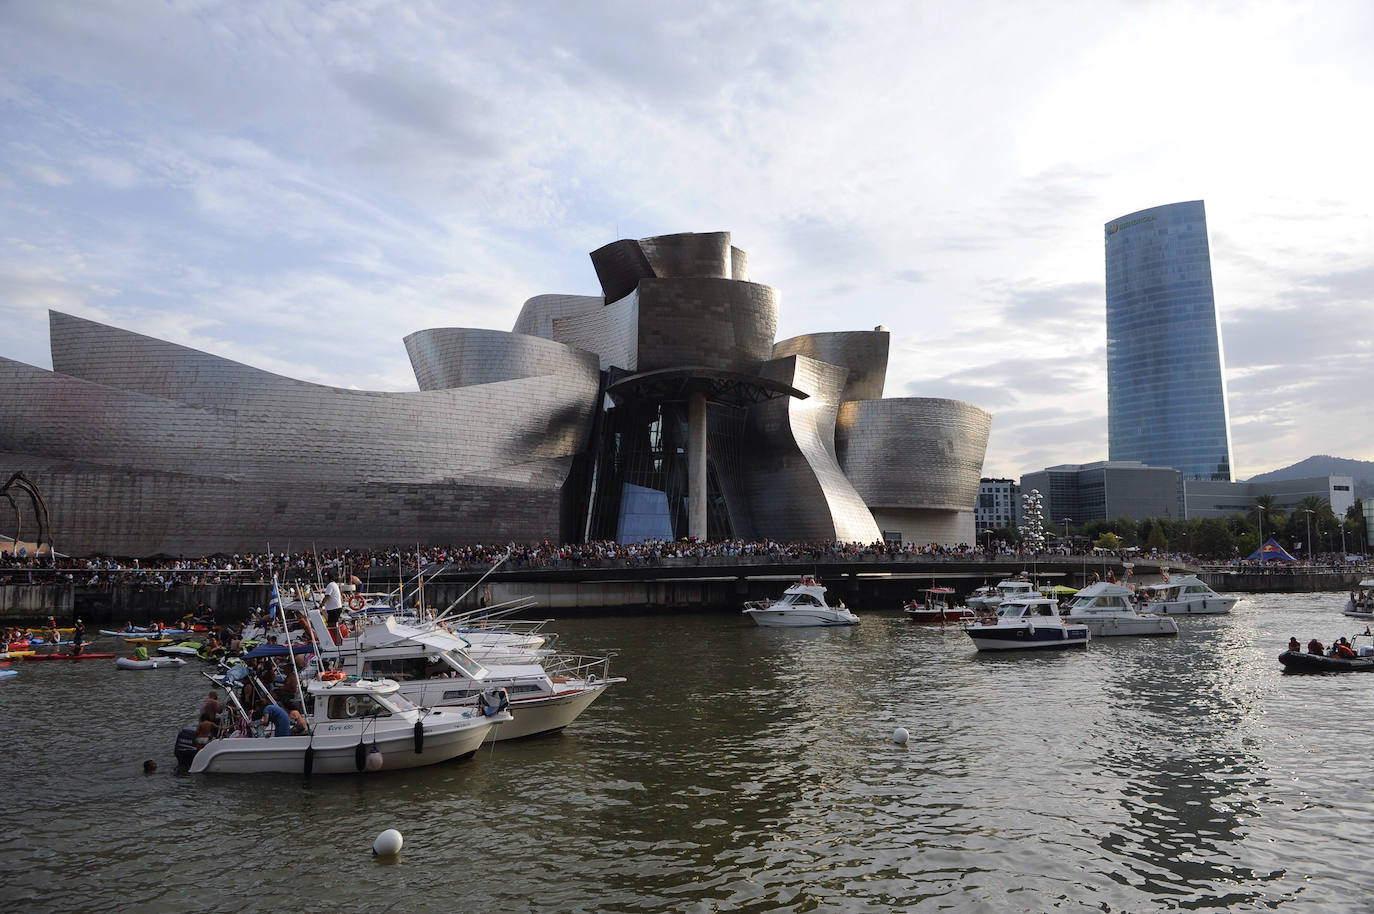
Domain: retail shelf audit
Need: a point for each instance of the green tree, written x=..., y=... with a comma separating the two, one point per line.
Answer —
x=1212, y=539
x=1108, y=540
x=1156, y=539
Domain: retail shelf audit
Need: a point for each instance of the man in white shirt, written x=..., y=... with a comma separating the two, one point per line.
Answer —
x=332, y=605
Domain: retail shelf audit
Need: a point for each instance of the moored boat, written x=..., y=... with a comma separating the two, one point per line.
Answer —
x=802, y=605
x=353, y=719
x=1361, y=602
x=1026, y=623
x=934, y=606
x=1185, y=595
x=989, y=598
x=1108, y=611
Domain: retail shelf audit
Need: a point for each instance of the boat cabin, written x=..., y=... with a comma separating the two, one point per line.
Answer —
x=1179, y=589
x=1103, y=596
x=1027, y=607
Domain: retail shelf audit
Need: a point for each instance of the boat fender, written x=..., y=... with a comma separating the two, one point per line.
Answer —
x=374, y=759
x=1204, y=602
x=419, y=737
x=360, y=756
x=309, y=760
x=1030, y=628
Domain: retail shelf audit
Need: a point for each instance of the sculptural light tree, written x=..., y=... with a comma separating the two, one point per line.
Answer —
x=1032, y=527
x=20, y=483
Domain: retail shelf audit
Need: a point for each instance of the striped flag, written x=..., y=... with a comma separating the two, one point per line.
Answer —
x=274, y=607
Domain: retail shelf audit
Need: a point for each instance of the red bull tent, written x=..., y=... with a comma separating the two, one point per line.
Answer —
x=1270, y=552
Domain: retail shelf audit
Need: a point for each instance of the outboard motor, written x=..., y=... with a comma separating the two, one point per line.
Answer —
x=493, y=701
x=185, y=747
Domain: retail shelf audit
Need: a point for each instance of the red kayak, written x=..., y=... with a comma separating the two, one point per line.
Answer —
x=68, y=657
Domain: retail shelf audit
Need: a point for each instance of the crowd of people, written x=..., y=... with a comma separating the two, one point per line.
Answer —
x=259, y=568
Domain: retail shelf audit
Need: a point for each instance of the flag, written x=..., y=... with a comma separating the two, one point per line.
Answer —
x=274, y=607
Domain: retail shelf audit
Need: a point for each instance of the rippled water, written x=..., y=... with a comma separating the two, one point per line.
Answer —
x=746, y=769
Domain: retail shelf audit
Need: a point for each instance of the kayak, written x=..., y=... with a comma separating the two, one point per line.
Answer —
x=6, y=674
x=179, y=650
x=69, y=657
x=16, y=655
x=144, y=639
x=152, y=663
x=1298, y=662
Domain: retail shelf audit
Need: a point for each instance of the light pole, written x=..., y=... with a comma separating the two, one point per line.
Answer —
x=1067, y=544
x=1259, y=512
x=1308, y=512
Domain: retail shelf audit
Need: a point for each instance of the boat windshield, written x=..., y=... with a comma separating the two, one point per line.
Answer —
x=801, y=599
x=464, y=664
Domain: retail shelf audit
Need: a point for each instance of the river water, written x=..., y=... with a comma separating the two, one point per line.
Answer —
x=747, y=769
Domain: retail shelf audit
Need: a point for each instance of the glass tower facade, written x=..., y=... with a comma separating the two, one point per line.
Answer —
x=1166, y=395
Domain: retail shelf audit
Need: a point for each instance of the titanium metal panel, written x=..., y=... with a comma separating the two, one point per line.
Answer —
x=795, y=487
x=862, y=352
x=696, y=255
x=716, y=323
x=538, y=313
x=915, y=452
x=619, y=267
x=461, y=357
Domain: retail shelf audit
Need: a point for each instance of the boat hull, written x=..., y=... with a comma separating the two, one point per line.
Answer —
x=1207, y=606
x=1025, y=637
x=1298, y=662
x=529, y=716
x=335, y=745
x=1116, y=627
x=936, y=615
x=804, y=617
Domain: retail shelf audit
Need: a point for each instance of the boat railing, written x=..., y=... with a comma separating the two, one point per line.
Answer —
x=577, y=666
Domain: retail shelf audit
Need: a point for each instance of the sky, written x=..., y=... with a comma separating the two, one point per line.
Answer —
x=298, y=185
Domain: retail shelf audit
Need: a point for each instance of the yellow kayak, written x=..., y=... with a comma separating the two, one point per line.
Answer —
x=16, y=655
x=147, y=640
x=64, y=633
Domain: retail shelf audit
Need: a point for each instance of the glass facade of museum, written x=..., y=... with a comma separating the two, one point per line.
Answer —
x=1166, y=396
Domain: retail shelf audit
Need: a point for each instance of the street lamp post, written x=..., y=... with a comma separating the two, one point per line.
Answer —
x=1067, y=544
x=1308, y=511
x=1259, y=512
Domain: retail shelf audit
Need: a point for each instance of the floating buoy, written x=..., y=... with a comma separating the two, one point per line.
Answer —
x=374, y=759
x=388, y=844
x=900, y=736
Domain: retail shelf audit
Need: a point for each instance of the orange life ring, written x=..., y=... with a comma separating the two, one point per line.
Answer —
x=332, y=675
x=356, y=602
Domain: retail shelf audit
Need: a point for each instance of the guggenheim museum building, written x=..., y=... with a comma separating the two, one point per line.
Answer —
x=662, y=408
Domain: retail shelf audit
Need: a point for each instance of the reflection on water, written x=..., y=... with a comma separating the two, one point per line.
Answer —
x=750, y=769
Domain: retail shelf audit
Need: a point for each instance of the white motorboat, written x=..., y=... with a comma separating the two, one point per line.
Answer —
x=802, y=604
x=150, y=663
x=934, y=606
x=1109, y=611
x=988, y=598
x=352, y=719
x=1186, y=595
x=1361, y=602
x=433, y=669
x=1027, y=623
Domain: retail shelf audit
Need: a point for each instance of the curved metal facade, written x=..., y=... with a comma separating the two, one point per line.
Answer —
x=142, y=446
x=862, y=352
x=461, y=357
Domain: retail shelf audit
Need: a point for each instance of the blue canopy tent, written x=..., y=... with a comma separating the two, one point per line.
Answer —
x=1270, y=552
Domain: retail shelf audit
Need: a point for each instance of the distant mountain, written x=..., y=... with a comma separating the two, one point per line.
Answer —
x=1362, y=471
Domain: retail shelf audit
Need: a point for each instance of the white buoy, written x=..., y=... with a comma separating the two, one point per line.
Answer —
x=374, y=760
x=388, y=844
x=900, y=736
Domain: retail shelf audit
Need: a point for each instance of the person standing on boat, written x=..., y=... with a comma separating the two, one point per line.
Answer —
x=78, y=636
x=332, y=605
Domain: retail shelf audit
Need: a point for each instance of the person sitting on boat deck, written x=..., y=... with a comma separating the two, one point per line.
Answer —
x=298, y=723
x=1316, y=647
x=1294, y=646
x=1343, y=650
x=277, y=717
x=140, y=653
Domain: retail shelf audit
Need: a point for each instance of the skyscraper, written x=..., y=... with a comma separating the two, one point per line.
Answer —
x=1166, y=397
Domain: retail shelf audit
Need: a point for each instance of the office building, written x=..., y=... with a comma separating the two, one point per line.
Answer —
x=1106, y=490
x=1166, y=390
x=999, y=505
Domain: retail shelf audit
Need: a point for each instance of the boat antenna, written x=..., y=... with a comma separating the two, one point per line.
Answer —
x=476, y=584
x=290, y=651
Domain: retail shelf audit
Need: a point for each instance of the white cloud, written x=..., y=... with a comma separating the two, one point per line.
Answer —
x=339, y=175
